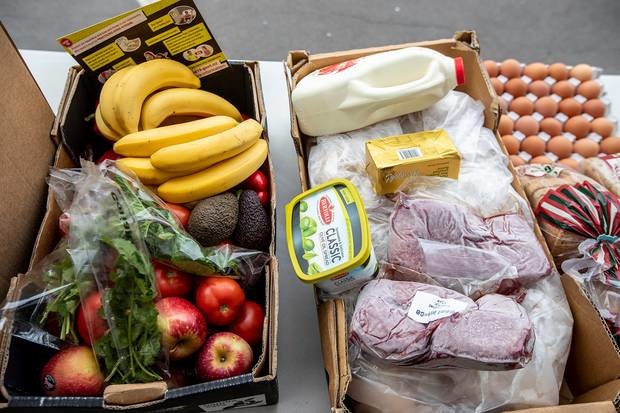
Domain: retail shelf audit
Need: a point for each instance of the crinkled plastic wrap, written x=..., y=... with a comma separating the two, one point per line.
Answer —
x=395, y=389
x=604, y=170
x=470, y=254
x=483, y=172
x=166, y=240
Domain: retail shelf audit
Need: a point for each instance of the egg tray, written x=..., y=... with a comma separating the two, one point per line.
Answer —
x=552, y=113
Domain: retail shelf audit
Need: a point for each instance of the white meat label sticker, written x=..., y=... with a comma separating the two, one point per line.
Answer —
x=427, y=307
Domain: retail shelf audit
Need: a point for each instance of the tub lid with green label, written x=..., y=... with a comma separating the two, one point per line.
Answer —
x=327, y=231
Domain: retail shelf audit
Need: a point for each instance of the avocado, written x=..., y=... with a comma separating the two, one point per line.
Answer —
x=213, y=219
x=253, y=229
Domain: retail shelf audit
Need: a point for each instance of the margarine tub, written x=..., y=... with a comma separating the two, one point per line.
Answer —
x=328, y=237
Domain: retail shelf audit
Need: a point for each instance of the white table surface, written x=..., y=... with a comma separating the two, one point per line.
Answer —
x=301, y=376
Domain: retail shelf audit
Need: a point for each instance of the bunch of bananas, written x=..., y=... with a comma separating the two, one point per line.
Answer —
x=186, y=161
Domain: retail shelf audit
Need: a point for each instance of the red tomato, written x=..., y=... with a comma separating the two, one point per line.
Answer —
x=263, y=197
x=172, y=282
x=180, y=212
x=257, y=182
x=63, y=224
x=109, y=154
x=90, y=325
x=249, y=324
x=220, y=299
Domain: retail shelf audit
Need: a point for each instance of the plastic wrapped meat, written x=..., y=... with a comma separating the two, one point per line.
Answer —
x=508, y=236
x=383, y=329
x=409, y=323
x=507, y=340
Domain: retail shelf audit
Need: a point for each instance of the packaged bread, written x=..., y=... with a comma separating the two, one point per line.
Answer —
x=537, y=180
x=605, y=170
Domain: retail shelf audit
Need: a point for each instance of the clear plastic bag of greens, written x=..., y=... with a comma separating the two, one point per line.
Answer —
x=165, y=239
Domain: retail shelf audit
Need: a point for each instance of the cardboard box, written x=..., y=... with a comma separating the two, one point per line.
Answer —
x=30, y=218
x=592, y=368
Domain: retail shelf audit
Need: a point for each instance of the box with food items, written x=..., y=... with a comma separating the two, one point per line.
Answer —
x=437, y=293
x=139, y=287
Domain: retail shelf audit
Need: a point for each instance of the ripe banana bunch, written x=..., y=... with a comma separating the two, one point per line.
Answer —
x=194, y=160
x=132, y=99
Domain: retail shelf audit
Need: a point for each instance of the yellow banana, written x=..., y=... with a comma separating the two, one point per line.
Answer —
x=202, y=153
x=184, y=101
x=147, y=142
x=216, y=179
x=103, y=127
x=144, y=170
x=107, y=100
x=143, y=80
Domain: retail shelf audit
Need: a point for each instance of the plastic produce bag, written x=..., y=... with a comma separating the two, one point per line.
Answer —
x=397, y=389
x=165, y=239
x=482, y=250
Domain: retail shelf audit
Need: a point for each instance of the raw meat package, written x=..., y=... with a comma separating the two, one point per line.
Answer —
x=410, y=323
x=391, y=388
x=605, y=170
x=480, y=252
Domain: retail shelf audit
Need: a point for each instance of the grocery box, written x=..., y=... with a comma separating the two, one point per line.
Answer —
x=30, y=222
x=589, y=382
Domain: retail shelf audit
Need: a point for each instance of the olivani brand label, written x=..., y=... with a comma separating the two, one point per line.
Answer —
x=325, y=227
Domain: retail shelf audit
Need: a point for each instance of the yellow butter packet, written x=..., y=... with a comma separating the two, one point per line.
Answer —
x=392, y=160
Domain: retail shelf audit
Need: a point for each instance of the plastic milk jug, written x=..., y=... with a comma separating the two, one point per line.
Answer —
x=360, y=92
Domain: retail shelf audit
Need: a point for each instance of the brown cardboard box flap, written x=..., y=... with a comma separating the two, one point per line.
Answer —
x=132, y=394
x=27, y=153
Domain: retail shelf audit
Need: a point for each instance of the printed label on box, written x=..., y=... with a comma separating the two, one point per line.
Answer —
x=167, y=29
x=427, y=307
x=239, y=403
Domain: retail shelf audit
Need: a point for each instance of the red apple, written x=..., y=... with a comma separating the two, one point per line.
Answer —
x=90, y=325
x=72, y=372
x=172, y=282
x=183, y=327
x=224, y=355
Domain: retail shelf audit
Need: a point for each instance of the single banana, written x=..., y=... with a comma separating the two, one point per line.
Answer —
x=184, y=101
x=202, y=153
x=144, y=170
x=107, y=100
x=147, y=142
x=103, y=127
x=216, y=179
x=145, y=79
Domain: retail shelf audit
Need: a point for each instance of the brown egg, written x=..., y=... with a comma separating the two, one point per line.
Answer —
x=570, y=107
x=533, y=145
x=586, y=148
x=569, y=162
x=503, y=105
x=510, y=68
x=522, y=105
x=516, y=160
x=602, y=126
x=539, y=88
x=511, y=143
x=491, y=67
x=551, y=126
x=497, y=85
x=578, y=126
x=516, y=87
x=590, y=89
x=558, y=71
x=560, y=146
x=595, y=108
x=536, y=71
x=541, y=160
x=564, y=89
x=546, y=106
x=611, y=145
x=506, y=125
x=527, y=125
x=582, y=72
